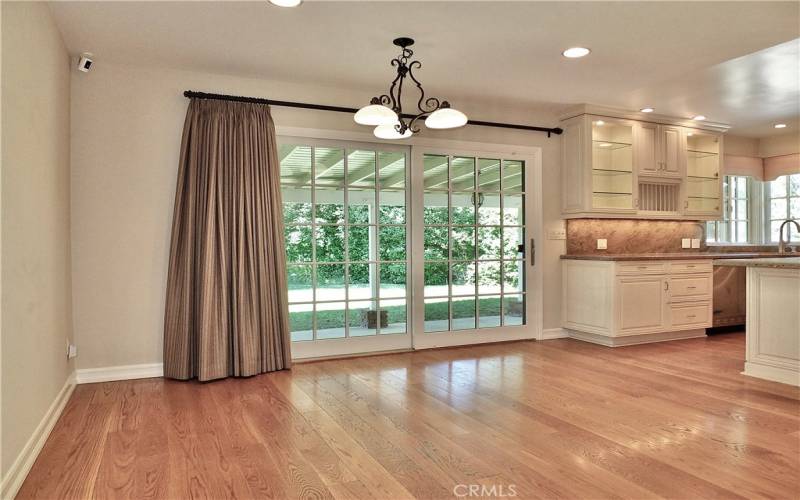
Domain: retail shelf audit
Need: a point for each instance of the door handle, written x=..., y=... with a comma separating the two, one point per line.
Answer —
x=533, y=252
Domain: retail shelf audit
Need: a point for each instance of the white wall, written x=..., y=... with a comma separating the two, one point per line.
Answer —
x=126, y=128
x=36, y=305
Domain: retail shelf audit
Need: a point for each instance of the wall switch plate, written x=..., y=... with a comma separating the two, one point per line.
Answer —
x=686, y=243
x=557, y=234
x=602, y=244
x=695, y=242
x=72, y=351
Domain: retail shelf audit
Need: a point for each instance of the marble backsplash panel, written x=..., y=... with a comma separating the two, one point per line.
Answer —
x=630, y=236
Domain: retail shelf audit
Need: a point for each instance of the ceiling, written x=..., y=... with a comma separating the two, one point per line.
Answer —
x=734, y=62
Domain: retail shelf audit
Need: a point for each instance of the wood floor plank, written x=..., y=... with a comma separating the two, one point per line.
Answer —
x=553, y=419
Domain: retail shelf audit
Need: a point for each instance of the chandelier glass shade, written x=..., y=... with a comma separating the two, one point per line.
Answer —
x=375, y=114
x=385, y=112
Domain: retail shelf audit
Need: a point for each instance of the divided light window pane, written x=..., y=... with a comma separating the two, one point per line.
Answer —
x=346, y=239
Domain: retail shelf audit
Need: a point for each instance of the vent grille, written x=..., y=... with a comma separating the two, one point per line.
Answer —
x=658, y=197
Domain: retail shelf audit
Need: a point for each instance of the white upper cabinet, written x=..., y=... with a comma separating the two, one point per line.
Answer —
x=615, y=166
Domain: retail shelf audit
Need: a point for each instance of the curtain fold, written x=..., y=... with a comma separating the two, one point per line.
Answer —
x=226, y=301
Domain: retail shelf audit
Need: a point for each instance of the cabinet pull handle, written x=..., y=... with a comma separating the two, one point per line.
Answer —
x=691, y=266
x=642, y=267
x=690, y=316
x=666, y=286
x=686, y=204
x=691, y=287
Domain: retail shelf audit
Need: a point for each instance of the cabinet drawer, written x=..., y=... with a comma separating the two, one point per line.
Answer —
x=696, y=315
x=642, y=267
x=690, y=287
x=691, y=267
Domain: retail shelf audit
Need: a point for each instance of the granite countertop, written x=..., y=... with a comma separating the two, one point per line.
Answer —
x=792, y=262
x=685, y=256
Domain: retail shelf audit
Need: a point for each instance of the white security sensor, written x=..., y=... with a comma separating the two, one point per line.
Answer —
x=85, y=62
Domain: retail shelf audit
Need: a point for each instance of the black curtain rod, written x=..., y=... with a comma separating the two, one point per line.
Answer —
x=323, y=107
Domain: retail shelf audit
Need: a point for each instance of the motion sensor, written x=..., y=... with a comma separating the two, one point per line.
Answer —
x=85, y=62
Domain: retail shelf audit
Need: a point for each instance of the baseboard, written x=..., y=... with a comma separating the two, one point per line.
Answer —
x=125, y=372
x=626, y=340
x=772, y=373
x=554, y=333
x=27, y=456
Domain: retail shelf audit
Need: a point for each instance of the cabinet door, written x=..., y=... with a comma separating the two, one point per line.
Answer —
x=613, y=177
x=641, y=304
x=647, y=157
x=703, y=187
x=672, y=151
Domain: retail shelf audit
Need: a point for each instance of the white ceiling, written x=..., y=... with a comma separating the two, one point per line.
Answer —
x=735, y=62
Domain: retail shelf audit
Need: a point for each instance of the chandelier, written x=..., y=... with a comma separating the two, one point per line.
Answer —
x=385, y=112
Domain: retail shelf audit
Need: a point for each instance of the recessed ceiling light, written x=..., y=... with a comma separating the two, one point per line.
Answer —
x=599, y=123
x=574, y=52
x=605, y=144
x=698, y=118
x=689, y=134
x=286, y=3
x=647, y=110
x=780, y=125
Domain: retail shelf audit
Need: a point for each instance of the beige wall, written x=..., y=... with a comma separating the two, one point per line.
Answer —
x=779, y=145
x=126, y=126
x=36, y=304
x=741, y=146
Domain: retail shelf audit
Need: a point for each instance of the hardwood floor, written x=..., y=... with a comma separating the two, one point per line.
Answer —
x=559, y=418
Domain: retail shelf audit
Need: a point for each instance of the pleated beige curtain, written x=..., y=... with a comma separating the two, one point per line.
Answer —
x=226, y=288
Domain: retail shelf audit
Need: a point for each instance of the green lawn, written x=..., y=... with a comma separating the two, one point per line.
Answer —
x=397, y=314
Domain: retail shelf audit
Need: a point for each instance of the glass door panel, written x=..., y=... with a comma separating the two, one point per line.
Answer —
x=473, y=232
x=345, y=217
x=612, y=165
x=703, y=184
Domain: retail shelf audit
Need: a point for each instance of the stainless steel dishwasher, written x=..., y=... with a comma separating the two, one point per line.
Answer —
x=730, y=296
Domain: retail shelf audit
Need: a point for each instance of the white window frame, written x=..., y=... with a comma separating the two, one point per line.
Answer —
x=759, y=216
x=767, y=197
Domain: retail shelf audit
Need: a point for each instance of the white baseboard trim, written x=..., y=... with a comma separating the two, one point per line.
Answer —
x=646, y=338
x=554, y=333
x=125, y=372
x=773, y=373
x=27, y=456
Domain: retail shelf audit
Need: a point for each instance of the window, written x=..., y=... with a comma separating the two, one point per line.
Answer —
x=783, y=203
x=735, y=224
x=345, y=240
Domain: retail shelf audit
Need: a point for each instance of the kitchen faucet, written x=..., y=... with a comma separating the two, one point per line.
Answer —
x=781, y=243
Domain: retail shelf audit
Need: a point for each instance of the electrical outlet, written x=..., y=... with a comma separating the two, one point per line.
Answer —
x=72, y=351
x=695, y=242
x=602, y=244
x=686, y=243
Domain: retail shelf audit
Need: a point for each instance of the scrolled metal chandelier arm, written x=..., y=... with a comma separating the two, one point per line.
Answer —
x=407, y=123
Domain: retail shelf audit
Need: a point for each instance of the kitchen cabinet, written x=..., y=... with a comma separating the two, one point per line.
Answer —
x=615, y=166
x=659, y=150
x=618, y=303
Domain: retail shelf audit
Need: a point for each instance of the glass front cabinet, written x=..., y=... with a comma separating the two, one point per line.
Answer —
x=614, y=167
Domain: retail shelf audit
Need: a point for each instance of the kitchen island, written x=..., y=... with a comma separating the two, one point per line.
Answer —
x=773, y=317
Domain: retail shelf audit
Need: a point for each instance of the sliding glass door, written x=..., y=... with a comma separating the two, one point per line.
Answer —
x=471, y=240
x=346, y=245
x=392, y=247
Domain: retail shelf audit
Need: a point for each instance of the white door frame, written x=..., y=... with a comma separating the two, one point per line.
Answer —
x=534, y=281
